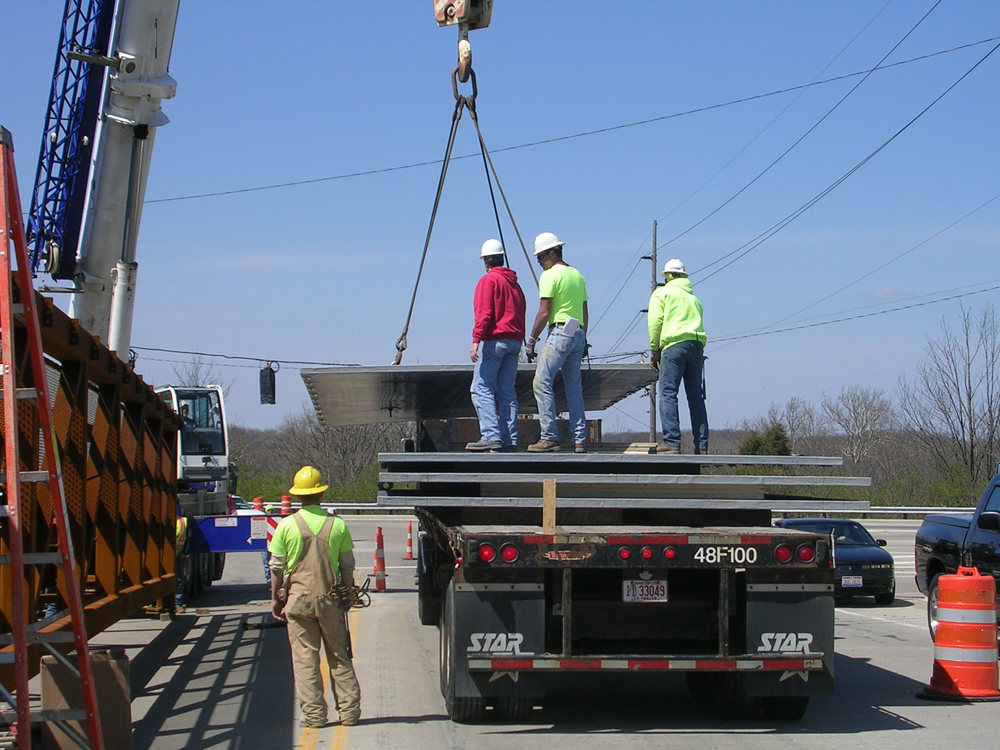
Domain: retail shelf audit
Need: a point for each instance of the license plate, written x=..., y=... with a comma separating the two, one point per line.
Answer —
x=644, y=591
x=849, y=582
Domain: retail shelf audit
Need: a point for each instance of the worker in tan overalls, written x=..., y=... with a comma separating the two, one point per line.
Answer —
x=307, y=550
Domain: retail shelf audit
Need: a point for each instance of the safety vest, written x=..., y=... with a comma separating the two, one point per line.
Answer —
x=182, y=532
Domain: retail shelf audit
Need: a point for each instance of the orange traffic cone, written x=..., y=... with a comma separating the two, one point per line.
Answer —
x=965, y=646
x=286, y=505
x=409, y=541
x=379, y=561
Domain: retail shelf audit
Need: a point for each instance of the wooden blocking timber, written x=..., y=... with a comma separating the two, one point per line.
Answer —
x=548, y=506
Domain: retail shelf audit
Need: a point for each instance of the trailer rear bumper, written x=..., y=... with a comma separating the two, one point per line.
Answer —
x=809, y=663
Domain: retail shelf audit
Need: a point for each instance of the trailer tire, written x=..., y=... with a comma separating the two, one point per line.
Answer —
x=460, y=709
x=516, y=710
x=428, y=589
x=704, y=686
x=785, y=708
x=734, y=702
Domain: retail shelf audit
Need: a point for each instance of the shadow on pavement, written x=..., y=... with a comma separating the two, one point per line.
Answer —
x=661, y=704
x=204, y=700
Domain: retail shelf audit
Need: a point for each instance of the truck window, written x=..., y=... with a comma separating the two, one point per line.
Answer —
x=993, y=503
x=202, y=433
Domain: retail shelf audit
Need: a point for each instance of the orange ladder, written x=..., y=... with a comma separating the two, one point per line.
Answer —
x=12, y=239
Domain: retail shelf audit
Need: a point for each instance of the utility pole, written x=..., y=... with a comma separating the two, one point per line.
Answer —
x=652, y=386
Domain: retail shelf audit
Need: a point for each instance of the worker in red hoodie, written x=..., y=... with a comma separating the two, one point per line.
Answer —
x=496, y=343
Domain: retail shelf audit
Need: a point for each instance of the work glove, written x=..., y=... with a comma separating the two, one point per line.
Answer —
x=529, y=349
x=654, y=360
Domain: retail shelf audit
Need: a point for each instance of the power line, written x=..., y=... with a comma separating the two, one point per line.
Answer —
x=775, y=228
x=856, y=317
x=289, y=362
x=801, y=138
x=583, y=134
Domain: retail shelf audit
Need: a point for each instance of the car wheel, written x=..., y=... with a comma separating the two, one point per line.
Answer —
x=886, y=599
x=785, y=708
x=932, y=607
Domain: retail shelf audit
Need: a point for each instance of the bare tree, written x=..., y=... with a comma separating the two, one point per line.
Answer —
x=198, y=372
x=866, y=417
x=953, y=405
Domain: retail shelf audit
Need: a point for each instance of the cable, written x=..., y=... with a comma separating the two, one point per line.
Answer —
x=289, y=362
x=773, y=120
x=887, y=263
x=775, y=228
x=583, y=134
x=805, y=135
x=620, y=290
x=856, y=317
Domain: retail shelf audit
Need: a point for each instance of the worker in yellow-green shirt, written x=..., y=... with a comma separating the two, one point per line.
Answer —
x=562, y=307
x=311, y=552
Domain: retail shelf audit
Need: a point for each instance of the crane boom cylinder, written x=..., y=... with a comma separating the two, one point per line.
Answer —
x=131, y=114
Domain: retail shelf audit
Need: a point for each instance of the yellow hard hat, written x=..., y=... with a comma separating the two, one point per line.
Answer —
x=308, y=482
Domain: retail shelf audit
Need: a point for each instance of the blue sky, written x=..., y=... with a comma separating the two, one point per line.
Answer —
x=270, y=93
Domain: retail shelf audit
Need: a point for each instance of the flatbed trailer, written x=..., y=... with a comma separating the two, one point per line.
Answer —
x=538, y=565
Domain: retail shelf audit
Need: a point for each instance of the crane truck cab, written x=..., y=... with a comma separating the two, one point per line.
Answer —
x=203, y=472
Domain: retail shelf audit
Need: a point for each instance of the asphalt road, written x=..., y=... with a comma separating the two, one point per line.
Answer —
x=206, y=681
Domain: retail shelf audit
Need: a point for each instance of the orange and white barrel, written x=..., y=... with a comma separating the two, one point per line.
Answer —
x=286, y=505
x=965, y=645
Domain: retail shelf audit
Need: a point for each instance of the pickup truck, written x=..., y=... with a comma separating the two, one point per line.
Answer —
x=946, y=541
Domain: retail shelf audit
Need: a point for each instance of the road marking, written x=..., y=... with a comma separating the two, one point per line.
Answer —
x=881, y=619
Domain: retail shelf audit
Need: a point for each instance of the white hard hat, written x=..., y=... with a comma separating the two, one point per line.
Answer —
x=674, y=266
x=547, y=241
x=491, y=247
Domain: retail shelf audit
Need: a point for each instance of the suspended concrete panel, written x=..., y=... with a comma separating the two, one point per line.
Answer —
x=370, y=395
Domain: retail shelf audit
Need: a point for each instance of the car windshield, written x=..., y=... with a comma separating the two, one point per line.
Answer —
x=240, y=503
x=844, y=534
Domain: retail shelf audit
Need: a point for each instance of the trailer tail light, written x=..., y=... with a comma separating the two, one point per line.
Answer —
x=669, y=553
x=624, y=553
x=647, y=553
x=486, y=552
x=508, y=553
x=783, y=553
x=805, y=553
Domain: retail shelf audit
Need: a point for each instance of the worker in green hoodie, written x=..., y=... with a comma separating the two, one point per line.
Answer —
x=677, y=350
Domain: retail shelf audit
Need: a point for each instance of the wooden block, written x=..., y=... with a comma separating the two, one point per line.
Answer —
x=641, y=448
x=548, y=506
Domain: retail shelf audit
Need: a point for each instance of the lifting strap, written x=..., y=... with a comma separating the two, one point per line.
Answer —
x=461, y=103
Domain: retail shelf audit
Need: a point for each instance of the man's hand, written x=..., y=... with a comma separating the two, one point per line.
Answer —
x=529, y=348
x=654, y=360
x=474, y=352
x=278, y=605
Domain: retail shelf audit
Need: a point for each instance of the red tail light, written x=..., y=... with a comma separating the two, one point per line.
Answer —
x=783, y=553
x=508, y=553
x=486, y=552
x=624, y=553
x=669, y=553
x=647, y=553
x=806, y=553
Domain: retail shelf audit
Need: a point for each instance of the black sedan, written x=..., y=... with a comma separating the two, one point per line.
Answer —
x=863, y=568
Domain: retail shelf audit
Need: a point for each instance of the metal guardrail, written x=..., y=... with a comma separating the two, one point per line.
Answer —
x=896, y=510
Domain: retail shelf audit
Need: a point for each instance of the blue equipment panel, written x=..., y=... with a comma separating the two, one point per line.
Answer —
x=230, y=533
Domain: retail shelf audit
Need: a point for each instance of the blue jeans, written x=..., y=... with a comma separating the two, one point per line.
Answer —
x=265, y=556
x=684, y=361
x=561, y=353
x=493, y=390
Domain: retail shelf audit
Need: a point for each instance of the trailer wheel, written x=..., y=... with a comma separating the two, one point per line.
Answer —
x=513, y=709
x=460, y=710
x=428, y=591
x=704, y=686
x=785, y=708
x=734, y=702
x=932, y=607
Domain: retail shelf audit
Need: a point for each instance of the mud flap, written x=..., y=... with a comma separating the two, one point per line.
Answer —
x=790, y=622
x=496, y=621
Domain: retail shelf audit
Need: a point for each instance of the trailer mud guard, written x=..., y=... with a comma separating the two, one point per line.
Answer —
x=785, y=620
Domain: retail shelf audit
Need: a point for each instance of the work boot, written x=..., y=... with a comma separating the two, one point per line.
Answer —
x=508, y=449
x=700, y=451
x=482, y=446
x=543, y=446
x=579, y=448
x=664, y=448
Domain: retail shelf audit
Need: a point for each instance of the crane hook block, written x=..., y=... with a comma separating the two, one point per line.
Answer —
x=473, y=14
